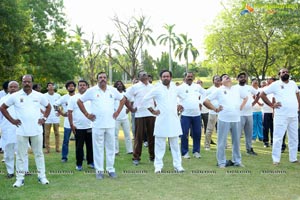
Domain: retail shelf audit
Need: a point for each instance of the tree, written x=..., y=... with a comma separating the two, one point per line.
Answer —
x=169, y=38
x=185, y=47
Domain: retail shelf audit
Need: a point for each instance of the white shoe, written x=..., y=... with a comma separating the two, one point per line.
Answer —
x=18, y=183
x=197, y=155
x=157, y=170
x=43, y=181
x=207, y=149
x=186, y=156
x=179, y=169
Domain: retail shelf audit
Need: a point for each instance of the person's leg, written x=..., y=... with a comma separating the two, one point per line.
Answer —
x=259, y=126
x=212, y=120
x=255, y=126
x=266, y=128
x=9, y=157
x=98, y=149
x=280, y=126
x=196, y=127
x=22, y=143
x=204, y=118
x=47, y=137
x=109, y=143
x=150, y=122
x=248, y=129
x=127, y=138
x=56, y=133
x=89, y=146
x=37, y=148
x=292, y=131
x=79, y=142
x=222, y=132
x=138, y=139
x=175, y=150
x=160, y=149
x=185, y=125
x=117, y=129
x=65, y=145
x=235, y=136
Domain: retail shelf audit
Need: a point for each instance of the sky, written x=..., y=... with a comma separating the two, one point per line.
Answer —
x=190, y=17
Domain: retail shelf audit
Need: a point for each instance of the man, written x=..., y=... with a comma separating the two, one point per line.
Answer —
x=2, y=94
x=144, y=119
x=63, y=102
x=167, y=124
x=53, y=119
x=246, y=123
x=29, y=126
x=257, y=115
x=213, y=116
x=103, y=115
x=81, y=127
x=9, y=137
x=228, y=97
x=191, y=115
x=286, y=94
x=122, y=120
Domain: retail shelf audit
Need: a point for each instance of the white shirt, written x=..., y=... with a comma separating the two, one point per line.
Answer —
x=195, y=95
x=167, y=123
x=214, y=102
x=80, y=121
x=27, y=109
x=250, y=91
x=285, y=93
x=52, y=118
x=137, y=93
x=63, y=102
x=8, y=129
x=266, y=108
x=123, y=115
x=229, y=99
x=257, y=107
x=102, y=105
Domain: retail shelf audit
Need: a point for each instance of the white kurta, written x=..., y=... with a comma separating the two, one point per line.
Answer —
x=167, y=123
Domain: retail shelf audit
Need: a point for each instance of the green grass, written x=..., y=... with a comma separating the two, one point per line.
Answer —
x=202, y=179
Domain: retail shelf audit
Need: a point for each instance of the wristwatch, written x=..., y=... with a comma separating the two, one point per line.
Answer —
x=44, y=118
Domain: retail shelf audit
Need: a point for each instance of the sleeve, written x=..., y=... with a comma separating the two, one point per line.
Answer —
x=130, y=93
x=87, y=95
x=44, y=101
x=117, y=94
x=71, y=103
x=213, y=95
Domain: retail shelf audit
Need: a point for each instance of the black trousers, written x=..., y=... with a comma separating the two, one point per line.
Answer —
x=84, y=136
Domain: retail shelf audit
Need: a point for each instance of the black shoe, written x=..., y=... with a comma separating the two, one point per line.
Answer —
x=10, y=175
x=229, y=163
x=212, y=142
x=251, y=152
x=266, y=145
x=282, y=150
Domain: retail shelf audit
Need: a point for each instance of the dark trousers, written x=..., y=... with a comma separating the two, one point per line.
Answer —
x=84, y=136
x=268, y=126
x=204, y=117
x=142, y=125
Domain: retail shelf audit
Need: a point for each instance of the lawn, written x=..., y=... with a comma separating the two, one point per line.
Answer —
x=201, y=180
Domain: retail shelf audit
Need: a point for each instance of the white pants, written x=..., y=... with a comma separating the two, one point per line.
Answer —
x=160, y=149
x=281, y=125
x=126, y=129
x=37, y=148
x=9, y=157
x=104, y=137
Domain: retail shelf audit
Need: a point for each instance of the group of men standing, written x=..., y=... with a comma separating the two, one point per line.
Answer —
x=163, y=112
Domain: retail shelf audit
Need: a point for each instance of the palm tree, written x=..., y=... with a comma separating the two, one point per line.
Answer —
x=171, y=38
x=144, y=35
x=108, y=48
x=185, y=47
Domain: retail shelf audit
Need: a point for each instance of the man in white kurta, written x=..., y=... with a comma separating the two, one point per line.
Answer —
x=286, y=94
x=29, y=126
x=167, y=124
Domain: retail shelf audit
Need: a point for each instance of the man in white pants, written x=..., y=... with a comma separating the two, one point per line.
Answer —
x=9, y=137
x=167, y=124
x=103, y=115
x=29, y=125
x=286, y=94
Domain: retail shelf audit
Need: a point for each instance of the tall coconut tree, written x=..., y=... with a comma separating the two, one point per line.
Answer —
x=108, y=49
x=170, y=38
x=185, y=47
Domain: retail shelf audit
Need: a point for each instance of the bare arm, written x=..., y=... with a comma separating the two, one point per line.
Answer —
x=70, y=117
x=121, y=104
x=6, y=114
x=210, y=106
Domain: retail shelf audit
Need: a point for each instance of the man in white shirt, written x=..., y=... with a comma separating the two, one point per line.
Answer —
x=29, y=126
x=122, y=120
x=228, y=97
x=286, y=94
x=53, y=119
x=167, y=124
x=63, y=102
x=191, y=115
x=144, y=119
x=81, y=127
x=246, y=123
x=103, y=115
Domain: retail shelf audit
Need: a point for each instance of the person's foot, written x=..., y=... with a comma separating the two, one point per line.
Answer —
x=10, y=175
x=196, y=155
x=64, y=160
x=266, y=145
x=146, y=144
x=251, y=152
x=79, y=168
x=212, y=142
x=18, y=183
x=179, y=169
x=157, y=170
x=186, y=156
x=43, y=181
x=100, y=176
x=112, y=174
x=135, y=162
x=91, y=165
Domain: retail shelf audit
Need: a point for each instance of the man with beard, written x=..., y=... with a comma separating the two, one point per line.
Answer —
x=246, y=123
x=286, y=94
x=29, y=126
x=167, y=124
x=102, y=97
x=81, y=127
x=63, y=102
x=122, y=120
